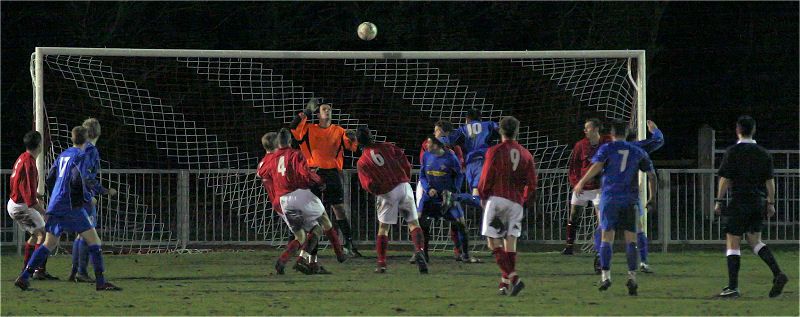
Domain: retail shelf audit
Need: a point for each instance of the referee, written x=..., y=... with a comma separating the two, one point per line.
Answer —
x=747, y=170
x=323, y=145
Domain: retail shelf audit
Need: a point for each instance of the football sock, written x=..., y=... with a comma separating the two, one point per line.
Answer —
x=734, y=257
x=96, y=256
x=456, y=240
x=419, y=239
x=39, y=255
x=605, y=256
x=43, y=265
x=291, y=249
x=427, y=238
x=344, y=225
x=381, y=244
x=511, y=258
x=765, y=254
x=464, y=242
x=312, y=244
x=631, y=256
x=570, y=233
x=83, y=257
x=500, y=258
x=641, y=240
x=333, y=237
x=598, y=234
x=29, y=248
x=76, y=245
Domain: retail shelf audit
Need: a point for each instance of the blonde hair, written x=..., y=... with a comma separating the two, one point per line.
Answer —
x=93, y=127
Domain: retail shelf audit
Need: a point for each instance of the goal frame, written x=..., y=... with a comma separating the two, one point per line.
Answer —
x=640, y=82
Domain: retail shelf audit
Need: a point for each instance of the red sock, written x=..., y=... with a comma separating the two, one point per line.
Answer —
x=29, y=248
x=456, y=244
x=511, y=261
x=381, y=244
x=291, y=249
x=501, y=259
x=333, y=237
x=419, y=239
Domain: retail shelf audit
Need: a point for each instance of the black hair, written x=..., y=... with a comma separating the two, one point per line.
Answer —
x=364, y=136
x=509, y=127
x=596, y=123
x=284, y=138
x=746, y=125
x=79, y=135
x=620, y=129
x=32, y=140
x=436, y=140
x=474, y=114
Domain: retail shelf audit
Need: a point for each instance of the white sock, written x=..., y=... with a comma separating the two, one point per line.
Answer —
x=606, y=275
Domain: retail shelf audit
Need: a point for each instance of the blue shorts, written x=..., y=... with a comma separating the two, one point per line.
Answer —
x=76, y=221
x=432, y=208
x=473, y=173
x=618, y=215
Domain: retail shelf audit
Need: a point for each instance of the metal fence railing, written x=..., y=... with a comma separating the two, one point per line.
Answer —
x=178, y=209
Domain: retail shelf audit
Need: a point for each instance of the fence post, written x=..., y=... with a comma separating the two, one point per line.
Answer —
x=664, y=214
x=705, y=159
x=183, y=208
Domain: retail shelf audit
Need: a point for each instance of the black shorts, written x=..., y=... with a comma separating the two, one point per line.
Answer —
x=333, y=194
x=743, y=216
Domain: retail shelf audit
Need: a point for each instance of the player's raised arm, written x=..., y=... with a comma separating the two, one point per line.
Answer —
x=299, y=124
x=349, y=140
x=655, y=141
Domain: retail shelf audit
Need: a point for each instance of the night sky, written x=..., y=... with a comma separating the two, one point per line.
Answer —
x=707, y=62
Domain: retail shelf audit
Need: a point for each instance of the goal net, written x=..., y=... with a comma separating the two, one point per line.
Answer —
x=181, y=128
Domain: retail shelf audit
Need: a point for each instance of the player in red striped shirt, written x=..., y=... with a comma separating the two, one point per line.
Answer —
x=23, y=205
x=288, y=174
x=384, y=171
x=508, y=181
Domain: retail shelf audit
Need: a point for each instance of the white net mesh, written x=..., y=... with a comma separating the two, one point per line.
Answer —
x=161, y=116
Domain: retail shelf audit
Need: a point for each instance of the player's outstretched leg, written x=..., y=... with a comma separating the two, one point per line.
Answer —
x=333, y=237
x=38, y=256
x=291, y=250
x=779, y=279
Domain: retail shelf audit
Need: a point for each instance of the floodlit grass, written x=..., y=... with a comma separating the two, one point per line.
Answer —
x=245, y=283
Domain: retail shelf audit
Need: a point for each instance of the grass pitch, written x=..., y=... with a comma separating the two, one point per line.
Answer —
x=244, y=283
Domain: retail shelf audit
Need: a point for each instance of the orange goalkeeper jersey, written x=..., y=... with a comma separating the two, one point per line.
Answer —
x=323, y=147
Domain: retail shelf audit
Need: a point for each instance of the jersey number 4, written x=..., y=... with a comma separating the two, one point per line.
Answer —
x=282, y=166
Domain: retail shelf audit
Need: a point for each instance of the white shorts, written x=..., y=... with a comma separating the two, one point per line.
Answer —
x=501, y=218
x=27, y=218
x=301, y=208
x=585, y=197
x=419, y=192
x=397, y=200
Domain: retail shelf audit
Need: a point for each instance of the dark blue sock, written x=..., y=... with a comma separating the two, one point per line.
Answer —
x=597, y=239
x=630, y=255
x=96, y=255
x=605, y=256
x=36, y=260
x=76, y=247
x=83, y=257
x=642, y=245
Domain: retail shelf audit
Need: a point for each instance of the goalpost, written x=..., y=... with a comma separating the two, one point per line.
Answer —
x=181, y=128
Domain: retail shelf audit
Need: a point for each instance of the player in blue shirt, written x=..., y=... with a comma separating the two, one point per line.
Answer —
x=475, y=137
x=620, y=162
x=90, y=168
x=651, y=144
x=440, y=173
x=66, y=213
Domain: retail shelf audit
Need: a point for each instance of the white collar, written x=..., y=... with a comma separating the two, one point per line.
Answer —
x=746, y=140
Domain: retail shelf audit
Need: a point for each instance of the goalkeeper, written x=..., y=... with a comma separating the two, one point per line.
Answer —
x=323, y=145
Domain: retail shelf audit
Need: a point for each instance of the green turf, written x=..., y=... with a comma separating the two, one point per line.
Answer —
x=244, y=283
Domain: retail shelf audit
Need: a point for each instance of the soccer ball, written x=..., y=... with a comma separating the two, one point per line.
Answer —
x=367, y=31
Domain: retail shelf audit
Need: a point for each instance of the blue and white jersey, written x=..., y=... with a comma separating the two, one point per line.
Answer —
x=440, y=172
x=623, y=161
x=65, y=179
x=474, y=136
